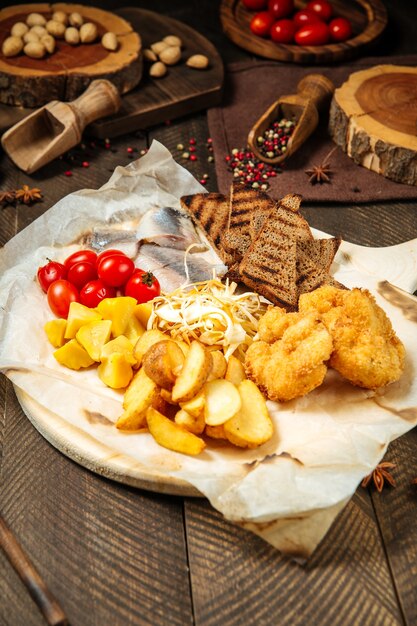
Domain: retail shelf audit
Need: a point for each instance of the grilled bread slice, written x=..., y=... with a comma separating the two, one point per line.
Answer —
x=291, y=201
x=314, y=258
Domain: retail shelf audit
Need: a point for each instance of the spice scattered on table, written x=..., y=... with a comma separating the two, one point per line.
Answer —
x=321, y=173
x=273, y=142
x=380, y=476
x=7, y=197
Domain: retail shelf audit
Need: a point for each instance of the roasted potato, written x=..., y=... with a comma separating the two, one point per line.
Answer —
x=147, y=340
x=194, y=424
x=195, y=406
x=196, y=369
x=215, y=432
x=163, y=362
x=235, y=372
x=140, y=394
x=222, y=401
x=219, y=366
x=251, y=426
x=171, y=436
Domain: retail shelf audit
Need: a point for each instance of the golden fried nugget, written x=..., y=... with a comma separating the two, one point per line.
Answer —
x=366, y=350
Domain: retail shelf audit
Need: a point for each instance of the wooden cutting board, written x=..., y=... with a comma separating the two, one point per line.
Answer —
x=182, y=91
x=373, y=118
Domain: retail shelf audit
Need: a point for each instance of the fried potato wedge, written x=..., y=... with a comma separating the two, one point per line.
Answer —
x=144, y=342
x=196, y=369
x=219, y=366
x=252, y=425
x=195, y=406
x=215, y=432
x=172, y=436
x=223, y=401
x=194, y=424
x=139, y=396
x=163, y=362
x=235, y=372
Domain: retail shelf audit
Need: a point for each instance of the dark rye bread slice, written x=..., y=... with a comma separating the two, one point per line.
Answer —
x=210, y=211
x=314, y=259
x=291, y=201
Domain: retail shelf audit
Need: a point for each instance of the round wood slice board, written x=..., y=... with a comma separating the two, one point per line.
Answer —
x=373, y=118
x=97, y=457
x=368, y=19
x=67, y=72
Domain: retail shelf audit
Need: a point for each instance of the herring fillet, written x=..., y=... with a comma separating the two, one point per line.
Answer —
x=167, y=227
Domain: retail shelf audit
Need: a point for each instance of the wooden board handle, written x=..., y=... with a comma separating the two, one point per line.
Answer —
x=100, y=99
x=317, y=88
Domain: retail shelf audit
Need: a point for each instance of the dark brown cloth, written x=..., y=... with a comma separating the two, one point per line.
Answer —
x=251, y=87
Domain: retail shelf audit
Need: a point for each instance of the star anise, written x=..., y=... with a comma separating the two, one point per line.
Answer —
x=28, y=195
x=380, y=475
x=7, y=197
x=321, y=173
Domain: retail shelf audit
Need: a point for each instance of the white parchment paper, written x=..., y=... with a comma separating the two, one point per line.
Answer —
x=289, y=490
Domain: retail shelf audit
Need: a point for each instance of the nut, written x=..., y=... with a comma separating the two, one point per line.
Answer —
x=171, y=55
x=19, y=29
x=35, y=19
x=72, y=36
x=149, y=55
x=30, y=37
x=39, y=31
x=157, y=70
x=35, y=49
x=60, y=16
x=158, y=46
x=12, y=46
x=198, y=62
x=48, y=42
x=76, y=19
x=109, y=41
x=56, y=29
x=173, y=40
x=88, y=32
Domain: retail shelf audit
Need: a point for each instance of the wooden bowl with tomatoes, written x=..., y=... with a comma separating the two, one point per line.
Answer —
x=308, y=32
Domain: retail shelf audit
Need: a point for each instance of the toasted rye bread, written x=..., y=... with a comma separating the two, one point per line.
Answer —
x=314, y=258
x=291, y=201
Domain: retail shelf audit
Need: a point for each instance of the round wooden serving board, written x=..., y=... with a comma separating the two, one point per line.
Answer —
x=67, y=72
x=373, y=118
x=368, y=19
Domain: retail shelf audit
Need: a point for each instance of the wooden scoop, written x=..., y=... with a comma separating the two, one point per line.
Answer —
x=58, y=126
x=314, y=92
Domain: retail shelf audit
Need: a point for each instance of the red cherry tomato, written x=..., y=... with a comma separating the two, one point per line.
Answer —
x=94, y=292
x=305, y=17
x=115, y=270
x=283, y=31
x=313, y=35
x=340, y=29
x=143, y=286
x=261, y=23
x=280, y=8
x=81, y=273
x=110, y=252
x=81, y=255
x=322, y=8
x=255, y=5
x=60, y=295
x=50, y=272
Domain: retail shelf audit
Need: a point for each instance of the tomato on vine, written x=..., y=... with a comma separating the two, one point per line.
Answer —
x=143, y=286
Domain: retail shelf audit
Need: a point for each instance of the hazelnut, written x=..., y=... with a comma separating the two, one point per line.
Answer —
x=35, y=19
x=34, y=49
x=76, y=19
x=88, y=32
x=72, y=36
x=19, y=29
x=30, y=37
x=157, y=70
x=109, y=41
x=56, y=29
x=48, y=42
x=39, y=30
x=171, y=55
x=198, y=62
x=12, y=46
x=149, y=55
x=60, y=16
x=173, y=40
x=158, y=46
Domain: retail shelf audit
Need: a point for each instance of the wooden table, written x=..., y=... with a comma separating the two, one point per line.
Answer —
x=116, y=555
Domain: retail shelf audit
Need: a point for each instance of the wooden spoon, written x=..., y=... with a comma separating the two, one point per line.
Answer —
x=314, y=92
x=58, y=126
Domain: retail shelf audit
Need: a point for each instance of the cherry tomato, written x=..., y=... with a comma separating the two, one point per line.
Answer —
x=322, y=8
x=143, y=286
x=340, y=29
x=115, y=270
x=305, y=17
x=110, y=252
x=280, y=8
x=81, y=273
x=94, y=292
x=81, y=255
x=60, y=295
x=283, y=31
x=261, y=23
x=50, y=272
x=255, y=5
x=313, y=35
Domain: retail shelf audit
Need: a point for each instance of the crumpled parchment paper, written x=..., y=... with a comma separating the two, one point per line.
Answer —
x=288, y=491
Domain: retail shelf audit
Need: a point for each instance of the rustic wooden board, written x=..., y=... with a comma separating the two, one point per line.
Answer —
x=66, y=73
x=373, y=119
x=368, y=19
x=182, y=91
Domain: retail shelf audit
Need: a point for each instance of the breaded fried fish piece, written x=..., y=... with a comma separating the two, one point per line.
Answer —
x=366, y=350
x=293, y=360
